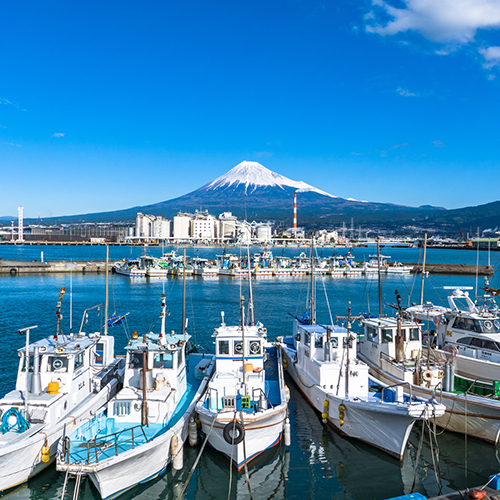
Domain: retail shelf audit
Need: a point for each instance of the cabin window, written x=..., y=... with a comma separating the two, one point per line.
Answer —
x=307, y=339
x=490, y=326
x=387, y=335
x=465, y=340
x=23, y=363
x=136, y=360
x=163, y=360
x=372, y=334
x=318, y=341
x=254, y=347
x=348, y=340
x=57, y=364
x=238, y=347
x=335, y=342
x=99, y=353
x=414, y=334
x=78, y=360
x=467, y=324
x=223, y=346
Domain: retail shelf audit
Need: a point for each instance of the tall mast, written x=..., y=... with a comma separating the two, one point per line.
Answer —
x=379, y=282
x=184, y=294
x=107, y=293
x=347, y=366
x=250, y=302
x=423, y=271
x=242, y=310
x=313, y=302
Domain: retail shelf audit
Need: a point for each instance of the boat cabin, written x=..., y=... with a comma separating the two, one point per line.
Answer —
x=63, y=371
x=239, y=366
x=322, y=353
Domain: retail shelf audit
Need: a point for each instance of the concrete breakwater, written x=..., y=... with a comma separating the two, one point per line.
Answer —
x=16, y=267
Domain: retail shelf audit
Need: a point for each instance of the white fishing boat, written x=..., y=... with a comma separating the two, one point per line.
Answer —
x=282, y=266
x=229, y=265
x=204, y=267
x=301, y=266
x=129, y=267
x=143, y=428
x=398, y=268
x=69, y=378
x=322, y=362
x=263, y=264
x=393, y=359
x=244, y=410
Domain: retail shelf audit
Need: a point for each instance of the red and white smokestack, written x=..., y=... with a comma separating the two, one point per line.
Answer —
x=295, y=210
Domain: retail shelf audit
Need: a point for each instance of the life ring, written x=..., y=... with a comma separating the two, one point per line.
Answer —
x=427, y=375
x=234, y=432
x=257, y=370
x=475, y=493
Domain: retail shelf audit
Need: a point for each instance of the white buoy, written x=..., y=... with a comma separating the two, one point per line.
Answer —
x=288, y=433
x=193, y=432
x=177, y=451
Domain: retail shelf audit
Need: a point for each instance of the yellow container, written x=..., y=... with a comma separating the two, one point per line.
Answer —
x=248, y=367
x=53, y=387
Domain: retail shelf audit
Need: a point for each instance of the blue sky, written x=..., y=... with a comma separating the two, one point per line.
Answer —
x=109, y=105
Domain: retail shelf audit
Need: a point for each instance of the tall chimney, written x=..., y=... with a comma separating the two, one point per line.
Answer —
x=295, y=210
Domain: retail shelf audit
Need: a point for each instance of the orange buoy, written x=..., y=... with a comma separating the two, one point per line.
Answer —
x=53, y=387
x=475, y=493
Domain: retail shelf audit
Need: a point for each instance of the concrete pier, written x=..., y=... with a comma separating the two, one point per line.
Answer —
x=16, y=267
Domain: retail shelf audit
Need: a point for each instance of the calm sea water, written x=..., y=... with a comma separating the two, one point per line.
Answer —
x=320, y=464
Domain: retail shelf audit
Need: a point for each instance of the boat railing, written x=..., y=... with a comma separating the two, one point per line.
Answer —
x=401, y=384
x=102, y=443
x=209, y=397
x=260, y=394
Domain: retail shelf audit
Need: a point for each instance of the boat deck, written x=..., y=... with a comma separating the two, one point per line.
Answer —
x=101, y=438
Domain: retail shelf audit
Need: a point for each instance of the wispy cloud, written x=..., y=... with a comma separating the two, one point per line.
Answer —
x=449, y=23
x=396, y=146
x=9, y=103
x=263, y=154
x=405, y=93
x=438, y=144
x=58, y=134
x=491, y=57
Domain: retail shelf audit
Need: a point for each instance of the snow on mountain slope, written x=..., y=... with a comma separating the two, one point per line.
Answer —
x=253, y=175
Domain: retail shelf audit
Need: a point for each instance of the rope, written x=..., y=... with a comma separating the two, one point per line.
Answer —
x=245, y=456
x=65, y=484
x=20, y=425
x=418, y=456
x=191, y=472
x=231, y=460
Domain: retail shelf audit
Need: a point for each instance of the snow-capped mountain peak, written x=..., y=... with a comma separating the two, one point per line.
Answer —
x=253, y=174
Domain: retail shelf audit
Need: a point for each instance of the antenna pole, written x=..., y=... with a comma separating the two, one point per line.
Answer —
x=107, y=293
x=347, y=366
x=184, y=294
x=313, y=308
x=423, y=271
x=379, y=282
x=242, y=308
x=250, y=303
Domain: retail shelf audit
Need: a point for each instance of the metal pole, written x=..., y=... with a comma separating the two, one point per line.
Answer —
x=250, y=303
x=184, y=295
x=313, y=309
x=107, y=293
x=27, y=365
x=423, y=271
x=379, y=282
x=242, y=307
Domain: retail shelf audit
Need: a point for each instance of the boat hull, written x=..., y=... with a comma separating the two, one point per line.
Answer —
x=262, y=431
x=381, y=426
x=28, y=451
x=472, y=415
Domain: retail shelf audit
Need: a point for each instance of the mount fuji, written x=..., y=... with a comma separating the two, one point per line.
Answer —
x=253, y=192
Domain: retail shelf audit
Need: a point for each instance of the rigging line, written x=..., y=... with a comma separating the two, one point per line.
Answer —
x=231, y=459
x=327, y=302
x=433, y=457
x=245, y=456
x=193, y=468
x=419, y=450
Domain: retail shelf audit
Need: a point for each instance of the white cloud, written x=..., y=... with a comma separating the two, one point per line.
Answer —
x=7, y=102
x=443, y=21
x=438, y=144
x=405, y=93
x=491, y=57
x=450, y=23
x=58, y=134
